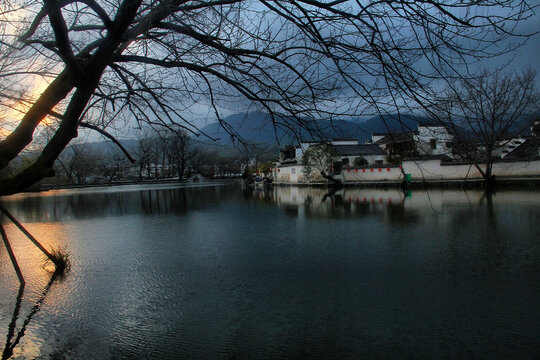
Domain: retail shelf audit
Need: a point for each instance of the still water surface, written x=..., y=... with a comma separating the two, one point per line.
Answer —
x=215, y=272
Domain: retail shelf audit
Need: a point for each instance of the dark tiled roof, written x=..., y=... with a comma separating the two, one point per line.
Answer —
x=429, y=122
x=344, y=139
x=358, y=150
x=442, y=157
x=526, y=151
x=395, y=138
x=287, y=163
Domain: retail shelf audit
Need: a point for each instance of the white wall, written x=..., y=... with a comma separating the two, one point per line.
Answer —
x=419, y=170
x=441, y=136
x=289, y=174
x=375, y=173
x=433, y=170
x=375, y=138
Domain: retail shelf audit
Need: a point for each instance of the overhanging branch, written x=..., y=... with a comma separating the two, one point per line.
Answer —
x=108, y=136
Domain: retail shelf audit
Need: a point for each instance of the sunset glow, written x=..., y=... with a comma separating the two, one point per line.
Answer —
x=30, y=85
x=16, y=111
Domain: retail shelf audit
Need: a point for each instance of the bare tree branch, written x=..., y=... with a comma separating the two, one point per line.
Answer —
x=110, y=137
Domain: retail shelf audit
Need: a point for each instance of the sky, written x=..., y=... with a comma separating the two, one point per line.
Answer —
x=527, y=56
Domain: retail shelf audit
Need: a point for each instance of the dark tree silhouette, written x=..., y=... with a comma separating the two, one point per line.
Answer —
x=485, y=113
x=106, y=62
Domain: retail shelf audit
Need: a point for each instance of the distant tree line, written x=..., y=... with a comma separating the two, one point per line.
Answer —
x=158, y=155
x=105, y=64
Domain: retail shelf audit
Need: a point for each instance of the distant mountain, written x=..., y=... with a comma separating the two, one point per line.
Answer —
x=391, y=123
x=257, y=128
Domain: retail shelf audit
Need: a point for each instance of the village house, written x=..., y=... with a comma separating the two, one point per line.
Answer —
x=427, y=154
x=524, y=147
x=347, y=152
x=430, y=139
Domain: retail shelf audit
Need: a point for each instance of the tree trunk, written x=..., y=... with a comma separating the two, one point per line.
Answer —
x=56, y=91
x=181, y=167
x=15, y=142
x=489, y=178
x=330, y=178
x=43, y=167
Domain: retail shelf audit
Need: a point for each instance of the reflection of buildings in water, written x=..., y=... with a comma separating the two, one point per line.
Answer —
x=325, y=202
x=393, y=204
x=416, y=197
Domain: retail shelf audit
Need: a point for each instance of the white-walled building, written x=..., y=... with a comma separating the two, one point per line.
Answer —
x=428, y=159
x=431, y=138
x=289, y=169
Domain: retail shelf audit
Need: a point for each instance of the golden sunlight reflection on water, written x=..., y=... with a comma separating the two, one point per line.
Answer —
x=164, y=272
x=31, y=260
x=37, y=273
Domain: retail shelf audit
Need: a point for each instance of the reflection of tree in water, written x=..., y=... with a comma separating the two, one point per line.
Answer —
x=398, y=214
x=32, y=208
x=290, y=210
x=13, y=337
x=98, y=204
x=329, y=194
x=324, y=203
x=61, y=262
x=247, y=193
x=482, y=236
x=493, y=245
x=336, y=205
x=177, y=202
x=488, y=199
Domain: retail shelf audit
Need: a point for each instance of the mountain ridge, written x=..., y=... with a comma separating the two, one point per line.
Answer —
x=257, y=127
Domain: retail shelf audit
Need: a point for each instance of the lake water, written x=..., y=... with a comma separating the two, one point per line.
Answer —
x=215, y=272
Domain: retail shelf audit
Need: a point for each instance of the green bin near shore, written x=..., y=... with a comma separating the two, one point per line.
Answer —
x=408, y=177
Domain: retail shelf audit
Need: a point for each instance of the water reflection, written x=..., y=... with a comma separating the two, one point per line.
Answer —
x=338, y=203
x=13, y=338
x=220, y=273
x=395, y=205
x=63, y=205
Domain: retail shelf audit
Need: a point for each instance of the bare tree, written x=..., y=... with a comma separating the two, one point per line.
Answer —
x=485, y=113
x=146, y=155
x=317, y=160
x=113, y=166
x=78, y=164
x=105, y=62
x=202, y=161
x=180, y=151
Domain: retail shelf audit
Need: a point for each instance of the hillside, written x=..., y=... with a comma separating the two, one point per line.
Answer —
x=257, y=128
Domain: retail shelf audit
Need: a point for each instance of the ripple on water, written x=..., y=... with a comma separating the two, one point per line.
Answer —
x=216, y=274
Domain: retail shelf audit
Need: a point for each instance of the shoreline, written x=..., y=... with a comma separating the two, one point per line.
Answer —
x=501, y=183
x=47, y=187
x=506, y=182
